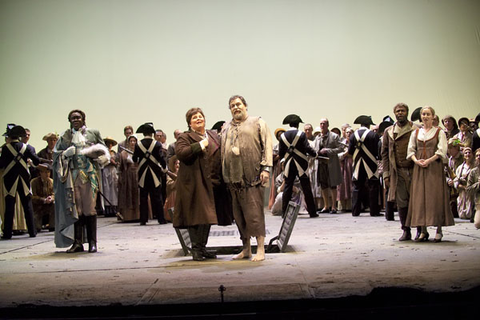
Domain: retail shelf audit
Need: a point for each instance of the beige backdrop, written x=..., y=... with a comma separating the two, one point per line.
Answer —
x=128, y=62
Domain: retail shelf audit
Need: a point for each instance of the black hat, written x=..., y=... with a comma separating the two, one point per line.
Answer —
x=416, y=115
x=218, y=125
x=388, y=119
x=384, y=125
x=9, y=127
x=17, y=131
x=365, y=120
x=146, y=128
x=292, y=118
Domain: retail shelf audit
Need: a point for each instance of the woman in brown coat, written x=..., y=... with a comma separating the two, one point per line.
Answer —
x=195, y=204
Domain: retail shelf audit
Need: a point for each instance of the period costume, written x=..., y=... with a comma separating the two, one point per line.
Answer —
x=46, y=155
x=453, y=162
x=363, y=146
x=148, y=153
x=465, y=200
x=475, y=140
x=344, y=190
x=397, y=168
x=41, y=189
x=16, y=181
x=329, y=173
x=429, y=193
x=195, y=204
x=110, y=182
x=246, y=152
x=297, y=195
x=293, y=149
x=129, y=198
x=473, y=186
x=77, y=158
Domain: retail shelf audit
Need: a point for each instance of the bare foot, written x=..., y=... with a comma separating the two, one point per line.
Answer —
x=260, y=256
x=245, y=254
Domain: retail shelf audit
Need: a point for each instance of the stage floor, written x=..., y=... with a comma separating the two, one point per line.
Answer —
x=330, y=257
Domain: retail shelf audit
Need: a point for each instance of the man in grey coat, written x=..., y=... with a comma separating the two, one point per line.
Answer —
x=328, y=145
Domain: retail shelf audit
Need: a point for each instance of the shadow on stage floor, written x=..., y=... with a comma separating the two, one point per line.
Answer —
x=381, y=303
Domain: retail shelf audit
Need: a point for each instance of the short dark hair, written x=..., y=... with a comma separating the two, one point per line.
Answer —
x=400, y=105
x=190, y=113
x=127, y=127
x=81, y=113
x=237, y=97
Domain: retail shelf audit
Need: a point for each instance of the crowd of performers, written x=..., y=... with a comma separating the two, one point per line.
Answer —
x=219, y=176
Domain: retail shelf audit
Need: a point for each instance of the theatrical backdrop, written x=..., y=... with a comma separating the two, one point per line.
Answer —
x=127, y=62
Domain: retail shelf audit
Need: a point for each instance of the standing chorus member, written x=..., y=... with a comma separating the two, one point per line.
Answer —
x=148, y=153
x=246, y=162
x=195, y=203
x=327, y=144
x=397, y=169
x=46, y=154
x=110, y=180
x=429, y=200
x=363, y=146
x=16, y=179
x=128, y=191
x=293, y=150
x=77, y=158
x=465, y=198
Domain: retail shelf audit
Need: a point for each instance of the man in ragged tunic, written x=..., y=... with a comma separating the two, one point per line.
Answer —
x=78, y=155
x=247, y=158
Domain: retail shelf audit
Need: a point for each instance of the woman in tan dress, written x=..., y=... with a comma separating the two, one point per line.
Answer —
x=429, y=200
x=128, y=194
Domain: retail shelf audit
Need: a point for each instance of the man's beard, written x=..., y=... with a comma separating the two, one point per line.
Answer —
x=239, y=116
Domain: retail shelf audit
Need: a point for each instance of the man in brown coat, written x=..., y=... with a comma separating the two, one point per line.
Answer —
x=43, y=198
x=247, y=158
x=397, y=169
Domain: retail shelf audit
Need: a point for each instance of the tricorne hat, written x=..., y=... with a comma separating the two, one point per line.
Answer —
x=50, y=135
x=17, y=131
x=388, y=119
x=146, y=128
x=384, y=125
x=9, y=127
x=218, y=125
x=416, y=115
x=292, y=118
x=365, y=120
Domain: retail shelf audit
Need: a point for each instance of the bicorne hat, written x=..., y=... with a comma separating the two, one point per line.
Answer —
x=292, y=118
x=365, y=120
x=146, y=128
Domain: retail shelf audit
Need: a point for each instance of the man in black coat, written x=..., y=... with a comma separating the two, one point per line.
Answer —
x=16, y=179
x=152, y=165
x=363, y=146
x=293, y=149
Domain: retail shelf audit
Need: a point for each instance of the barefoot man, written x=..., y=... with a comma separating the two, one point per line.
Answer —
x=246, y=163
